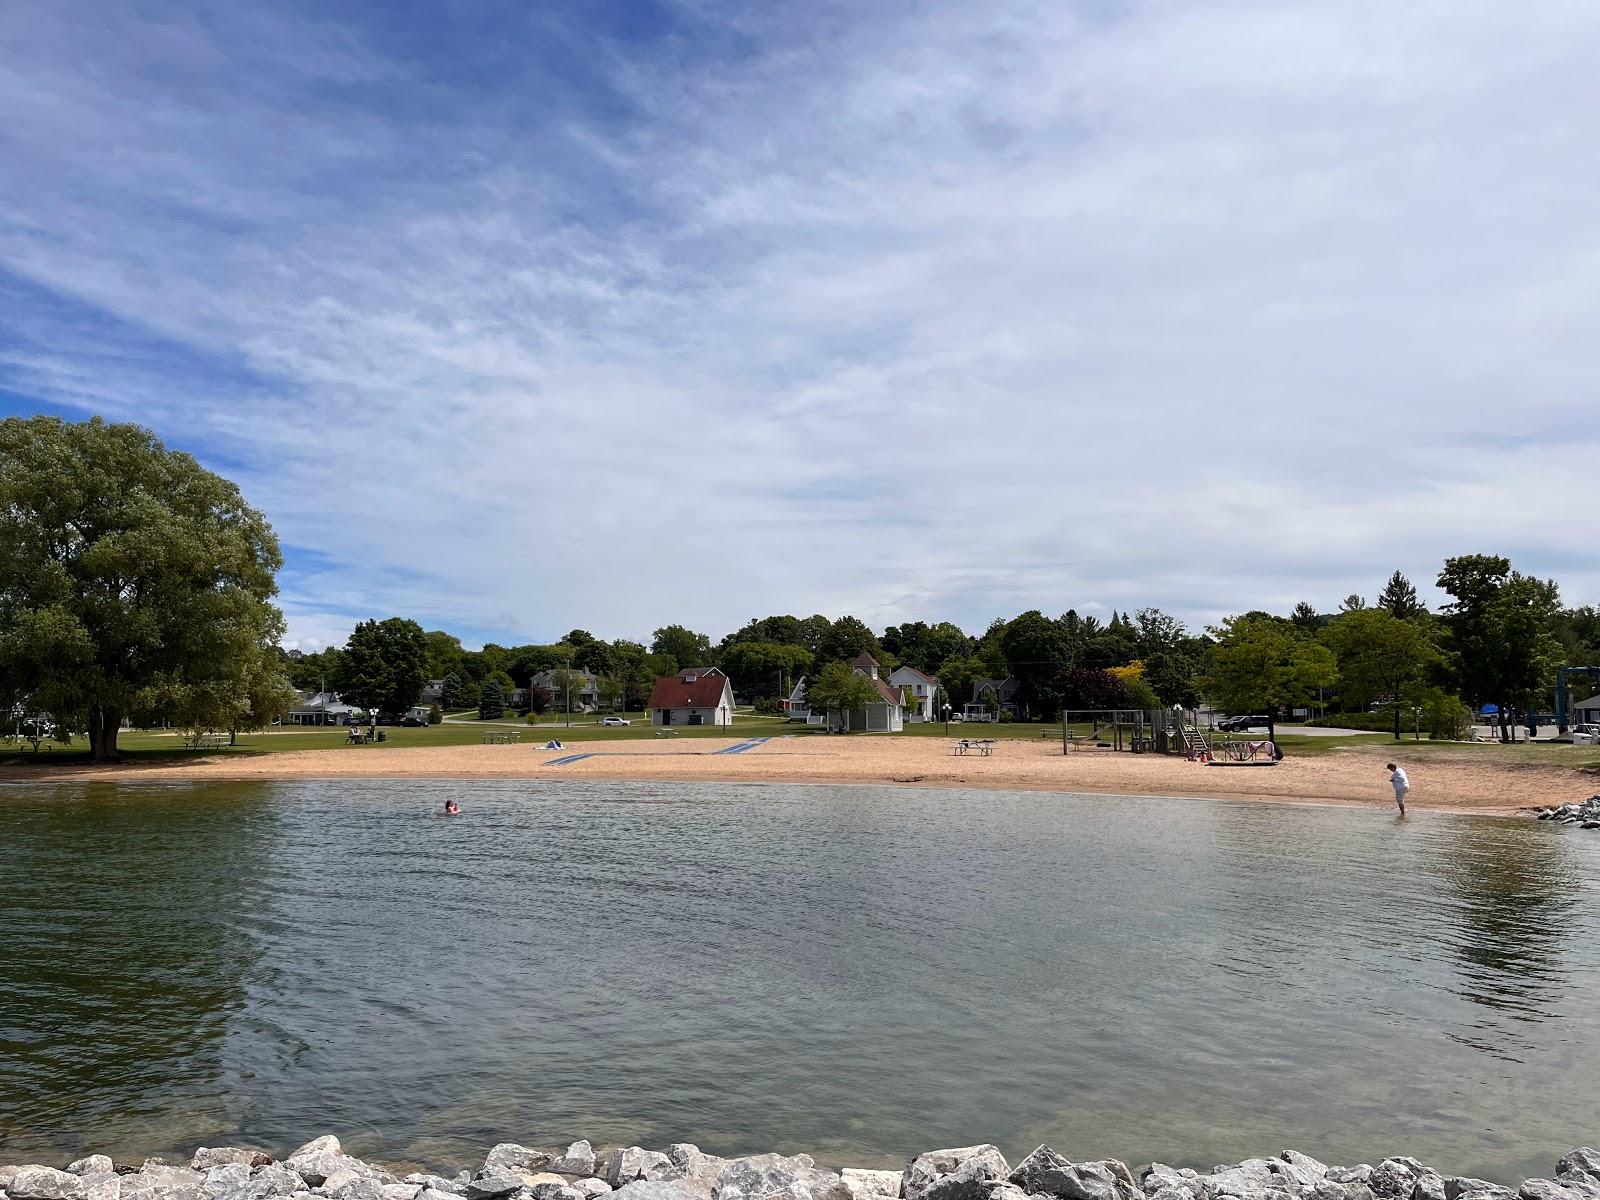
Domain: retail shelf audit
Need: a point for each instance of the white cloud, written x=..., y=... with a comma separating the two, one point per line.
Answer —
x=937, y=314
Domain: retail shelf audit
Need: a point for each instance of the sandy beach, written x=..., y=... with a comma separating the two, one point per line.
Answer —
x=1464, y=780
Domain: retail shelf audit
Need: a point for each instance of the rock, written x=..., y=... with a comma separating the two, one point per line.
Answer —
x=926, y=1168
x=46, y=1183
x=1395, y=1178
x=221, y=1156
x=1249, y=1180
x=508, y=1156
x=1359, y=1173
x=577, y=1161
x=1548, y=1189
x=1428, y=1187
x=1583, y=1161
x=437, y=1182
x=1153, y=1177
x=631, y=1163
x=972, y=1180
x=400, y=1191
x=1306, y=1163
x=882, y=1185
x=352, y=1182
x=1046, y=1172
x=774, y=1175
x=592, y=1187
x=431, y=1193
x=1179, y=1192
x=649, y=1189
x=93, y=1164
x=1458, y=1186
x=493, y=1183
x=231, y=1179
x=1003, y=1190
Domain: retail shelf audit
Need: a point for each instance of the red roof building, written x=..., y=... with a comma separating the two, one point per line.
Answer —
x=694, y=696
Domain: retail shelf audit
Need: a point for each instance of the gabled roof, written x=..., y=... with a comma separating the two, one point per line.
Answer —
x=922, y=675
x=701, y=671
x=863, y=660
x=670, y=691
x=891, y=695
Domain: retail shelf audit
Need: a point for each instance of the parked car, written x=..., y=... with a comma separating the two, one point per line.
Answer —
x=411, y=721
x=957, y=717
x=614, y=721
x=1241, y=724
x=1586, y=735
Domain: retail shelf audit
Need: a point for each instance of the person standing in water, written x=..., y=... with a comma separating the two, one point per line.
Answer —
x=1401, y=782
x=451, y=808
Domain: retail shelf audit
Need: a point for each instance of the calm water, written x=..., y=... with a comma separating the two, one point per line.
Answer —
x=860, y=973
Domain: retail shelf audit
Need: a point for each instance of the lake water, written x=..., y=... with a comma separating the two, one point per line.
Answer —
x=861, y=973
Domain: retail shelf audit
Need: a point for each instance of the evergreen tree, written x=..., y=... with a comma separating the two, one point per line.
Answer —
x=453, y=694
x=492, y=703
x=1400, y=598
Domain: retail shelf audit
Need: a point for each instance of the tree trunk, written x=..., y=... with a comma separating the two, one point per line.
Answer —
x=104, y=724
x=1397, y=718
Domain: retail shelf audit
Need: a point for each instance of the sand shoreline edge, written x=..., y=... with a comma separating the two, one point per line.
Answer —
x=1353, y=778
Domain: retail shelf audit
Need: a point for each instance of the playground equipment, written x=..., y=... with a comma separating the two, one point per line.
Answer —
x=1561, y=691
x=1160, y=731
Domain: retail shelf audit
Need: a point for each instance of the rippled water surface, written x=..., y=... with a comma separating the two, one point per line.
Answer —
x=861, y=973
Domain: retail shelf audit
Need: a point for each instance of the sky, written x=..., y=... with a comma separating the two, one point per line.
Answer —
x=514, y=318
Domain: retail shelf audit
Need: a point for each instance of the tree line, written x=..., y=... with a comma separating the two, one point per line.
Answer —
x=136, y=584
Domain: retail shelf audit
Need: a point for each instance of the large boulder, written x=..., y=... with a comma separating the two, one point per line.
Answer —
x=1458, y=1186
x=437, y=1183
x=322, y=1158
x=1045, y=1172
x=578, y=1161
x=92, y=1164
x=46, y=1183
x=592, y=1188
x=508, y=1156
x=1396, y=1178
x=872, y=1185
x=1583, y=1161
x=632, y=1163
x=776, y=1177
x=157, y=1180
x=653, y=1189
x=935, y=1164
x=220, y=1156
x=1153, y=1178
x=488, y=1184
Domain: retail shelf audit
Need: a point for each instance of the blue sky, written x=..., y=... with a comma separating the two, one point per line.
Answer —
x=514, y=318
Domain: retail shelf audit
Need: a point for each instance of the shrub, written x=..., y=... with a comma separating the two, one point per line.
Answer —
x=767, y=706
x=492, y=702
x=435, y=715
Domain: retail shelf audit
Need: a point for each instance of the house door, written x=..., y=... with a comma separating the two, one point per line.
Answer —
x=696, y=719
x=666, y=716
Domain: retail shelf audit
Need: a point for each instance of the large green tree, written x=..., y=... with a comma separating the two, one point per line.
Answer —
x=1262, y=663
x=1038, y=651
x=1500, y=626
x=837, y=688
x=1399, y=597
x=686, y=647
x=1381, y=657
x=384, y=665
x=132, y=580
x=847, y=639
x=762, y=669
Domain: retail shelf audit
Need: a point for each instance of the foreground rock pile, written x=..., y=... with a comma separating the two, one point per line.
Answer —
x=1586, y=815
x=321, y=1169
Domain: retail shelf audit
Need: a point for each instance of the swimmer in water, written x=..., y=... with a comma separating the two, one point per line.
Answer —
x=451, y=808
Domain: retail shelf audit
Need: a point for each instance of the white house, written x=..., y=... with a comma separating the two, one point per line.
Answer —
x=322, y=708
x=694, y=696
x=884, y=715
x=920, y=691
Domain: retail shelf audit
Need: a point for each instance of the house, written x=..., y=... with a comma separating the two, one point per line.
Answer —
x=322, y=708
x=992, y=696
x=1586, y=712
x=920, y=690
x=432, y=693
x=585, y=690
x=886, y=714
x=694, y=696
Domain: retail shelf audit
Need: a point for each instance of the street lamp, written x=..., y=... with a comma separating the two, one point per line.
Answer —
x=947, y=718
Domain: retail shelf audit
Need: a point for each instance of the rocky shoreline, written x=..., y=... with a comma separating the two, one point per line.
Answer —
x=321, y=1170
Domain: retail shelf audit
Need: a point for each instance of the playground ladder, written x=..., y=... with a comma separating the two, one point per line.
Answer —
x=1194, y=742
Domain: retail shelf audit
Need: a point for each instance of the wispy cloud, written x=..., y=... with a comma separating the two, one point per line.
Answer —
x=518, y=323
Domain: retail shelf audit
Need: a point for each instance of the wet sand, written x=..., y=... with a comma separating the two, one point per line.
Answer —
x=1464, y=780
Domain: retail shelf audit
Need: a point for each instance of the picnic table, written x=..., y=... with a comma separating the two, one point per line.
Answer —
x=983, y=746
x=205, y=741
x=501, y=737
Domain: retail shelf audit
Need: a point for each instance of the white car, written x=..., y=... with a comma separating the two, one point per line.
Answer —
x=1586, y=735
x=614, y=721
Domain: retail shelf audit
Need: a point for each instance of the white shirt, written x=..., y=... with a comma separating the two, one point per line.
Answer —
x=1401, y=781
